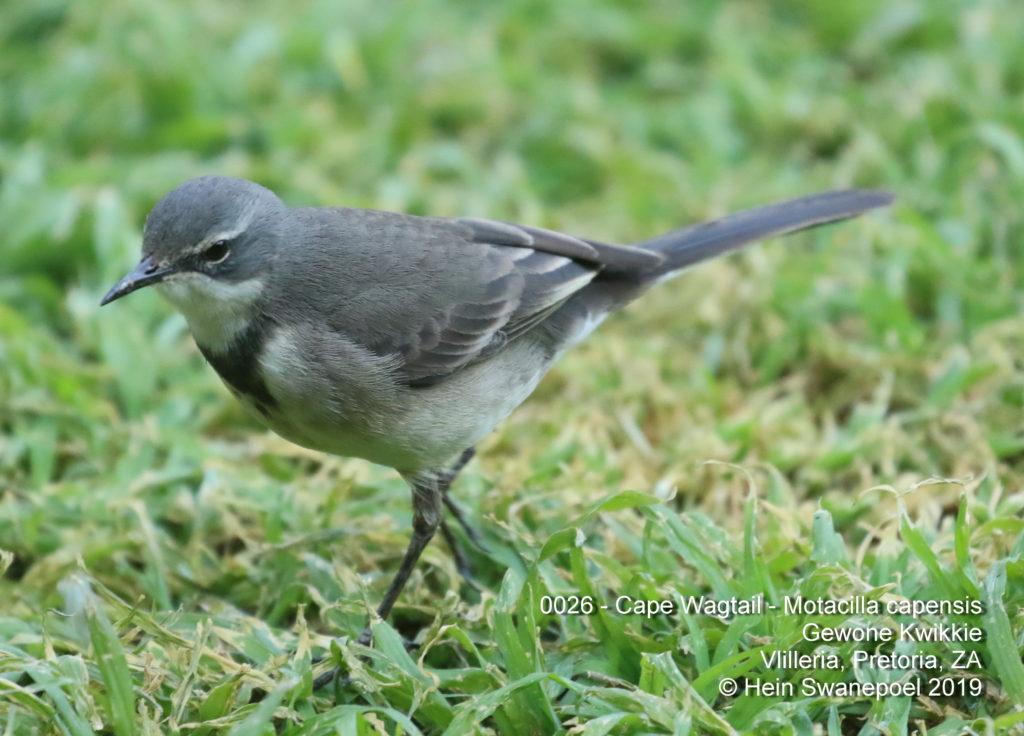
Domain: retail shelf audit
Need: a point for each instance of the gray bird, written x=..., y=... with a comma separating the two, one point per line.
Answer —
x=400, y=339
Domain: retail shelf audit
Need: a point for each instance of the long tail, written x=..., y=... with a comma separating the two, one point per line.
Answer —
x=689, y=245
x=626, y=276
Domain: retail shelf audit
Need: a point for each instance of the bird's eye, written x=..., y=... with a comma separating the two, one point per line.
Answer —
x=217, y=252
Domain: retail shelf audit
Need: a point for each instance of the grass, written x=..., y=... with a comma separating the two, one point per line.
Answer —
x=837, y=414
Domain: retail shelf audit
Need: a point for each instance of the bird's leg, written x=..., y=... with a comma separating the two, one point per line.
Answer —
x=454, y=508
x=445, y=481
x=461, y=560
x=426, y=518
x=428, y=491
x=459, y=514
x=468, y=454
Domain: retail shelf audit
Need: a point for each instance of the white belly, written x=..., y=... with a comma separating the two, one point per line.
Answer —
x=351, y=412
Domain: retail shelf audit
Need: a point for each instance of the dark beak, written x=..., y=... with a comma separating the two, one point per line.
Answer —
x=146, y=273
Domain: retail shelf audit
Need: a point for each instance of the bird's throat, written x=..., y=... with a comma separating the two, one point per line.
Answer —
x=228, y=327
x=217, y=311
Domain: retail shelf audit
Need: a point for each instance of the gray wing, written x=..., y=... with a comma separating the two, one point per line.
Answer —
x=513, y=278
x=483, y=283
x=433, y=295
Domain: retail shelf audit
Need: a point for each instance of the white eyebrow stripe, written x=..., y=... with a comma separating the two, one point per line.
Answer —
x=243, y=224
x=206, y=242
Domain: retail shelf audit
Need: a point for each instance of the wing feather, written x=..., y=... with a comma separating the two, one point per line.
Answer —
x=508, y=280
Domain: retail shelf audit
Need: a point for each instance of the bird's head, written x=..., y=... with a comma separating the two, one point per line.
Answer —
x=211, y=237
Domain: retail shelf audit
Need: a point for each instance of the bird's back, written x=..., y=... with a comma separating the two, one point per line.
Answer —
x=406, y=339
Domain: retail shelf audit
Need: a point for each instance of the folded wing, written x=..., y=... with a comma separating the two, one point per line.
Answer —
x=521, y=275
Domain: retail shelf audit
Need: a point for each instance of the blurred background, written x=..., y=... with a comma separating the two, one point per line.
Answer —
x=885, y=351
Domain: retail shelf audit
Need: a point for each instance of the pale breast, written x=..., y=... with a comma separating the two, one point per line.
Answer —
x=332, y=396
x=335, y=397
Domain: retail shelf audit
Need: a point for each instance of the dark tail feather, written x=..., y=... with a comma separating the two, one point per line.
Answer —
x=686, y=246
x=622, y=280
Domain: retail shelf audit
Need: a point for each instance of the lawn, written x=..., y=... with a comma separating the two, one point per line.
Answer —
x=835, y=415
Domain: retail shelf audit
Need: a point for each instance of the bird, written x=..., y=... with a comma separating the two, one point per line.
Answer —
x=404, y=339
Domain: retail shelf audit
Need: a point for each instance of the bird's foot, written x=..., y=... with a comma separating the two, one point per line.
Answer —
x=332, y=675
x=336, y=674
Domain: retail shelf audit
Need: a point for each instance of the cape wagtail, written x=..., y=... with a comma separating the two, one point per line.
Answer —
x=401, y=339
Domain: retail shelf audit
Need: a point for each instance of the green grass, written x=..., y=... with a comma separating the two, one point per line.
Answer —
x=169, y=567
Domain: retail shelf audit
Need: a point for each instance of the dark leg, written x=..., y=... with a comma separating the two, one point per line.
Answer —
x=426, y=517
x=454, y=508
x=468, y=454
x=461, y=561
x=445, y=483
x=428, y=492
x=460, y=516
